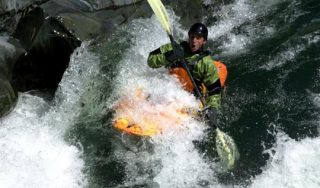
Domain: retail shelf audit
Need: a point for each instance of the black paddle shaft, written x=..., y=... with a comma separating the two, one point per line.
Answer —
x=185, y=66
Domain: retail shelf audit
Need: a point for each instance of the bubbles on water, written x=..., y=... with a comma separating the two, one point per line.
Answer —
x=292, y=164
x=288, y=51
x=231, y=17
x=239, y=25
x=34, y=155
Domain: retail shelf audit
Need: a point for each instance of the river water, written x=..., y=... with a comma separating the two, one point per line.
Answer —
x=271, y=108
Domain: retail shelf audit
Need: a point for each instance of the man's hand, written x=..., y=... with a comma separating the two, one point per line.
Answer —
x=178, y=51
x=175, y=54
x=211, y=116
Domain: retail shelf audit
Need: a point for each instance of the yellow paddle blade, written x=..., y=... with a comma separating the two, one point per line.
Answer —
x=227, y=149
x=161, y=14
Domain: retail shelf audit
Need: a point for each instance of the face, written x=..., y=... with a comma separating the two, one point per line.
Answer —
x=196, y=42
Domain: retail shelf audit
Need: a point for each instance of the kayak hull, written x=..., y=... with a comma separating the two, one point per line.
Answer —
x=136, y=114
x=123, y=125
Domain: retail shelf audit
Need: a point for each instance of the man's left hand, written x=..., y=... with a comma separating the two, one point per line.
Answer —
x=211, y=116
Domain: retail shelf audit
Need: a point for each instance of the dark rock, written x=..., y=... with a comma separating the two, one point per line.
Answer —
x=8, y=97
x=57, y=7
x=10, y=50
x=29, y=25
x=48, y=33
x=6, y=5
x=86, y=22
x=49, y=46
x=8, y=22
x=10, y=13
x=114, y=4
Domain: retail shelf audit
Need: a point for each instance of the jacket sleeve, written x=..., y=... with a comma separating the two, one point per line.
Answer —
x=157, y=58
x=207, y=73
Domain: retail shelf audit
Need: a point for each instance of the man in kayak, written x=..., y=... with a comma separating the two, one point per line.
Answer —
x=199, y=62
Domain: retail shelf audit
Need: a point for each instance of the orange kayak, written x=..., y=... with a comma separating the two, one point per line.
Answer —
x=138, y=116
x=124, y=125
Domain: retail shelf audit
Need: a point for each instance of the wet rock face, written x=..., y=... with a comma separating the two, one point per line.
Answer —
x=8, y=97
x=50, y=32
x=10, y=50
x=49, y=45
x=6, y=5
x=91, y=18
x=102, y=4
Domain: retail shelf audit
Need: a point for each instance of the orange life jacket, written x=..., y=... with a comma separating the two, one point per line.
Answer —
x=186, y=82
x=222, y=71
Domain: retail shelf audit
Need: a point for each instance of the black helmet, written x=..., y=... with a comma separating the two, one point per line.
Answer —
x=199, y=29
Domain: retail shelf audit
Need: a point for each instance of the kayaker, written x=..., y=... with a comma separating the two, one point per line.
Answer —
x=199, y=61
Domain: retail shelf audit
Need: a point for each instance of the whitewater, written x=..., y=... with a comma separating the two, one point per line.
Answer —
x=41, y=142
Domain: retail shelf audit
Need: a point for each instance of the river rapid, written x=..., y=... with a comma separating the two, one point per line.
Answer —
x=271, y=108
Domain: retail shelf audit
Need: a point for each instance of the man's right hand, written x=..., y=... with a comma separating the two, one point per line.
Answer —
x=175, y=54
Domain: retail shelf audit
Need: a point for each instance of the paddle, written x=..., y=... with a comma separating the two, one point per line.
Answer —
x=226, y=147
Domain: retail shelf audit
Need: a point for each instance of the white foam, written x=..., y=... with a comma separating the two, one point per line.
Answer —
x=294, y=164
x=183, y=165
x=290, y=50
x=32, y=146
x=244, y=14
x=232, y=16
x=32, y=154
